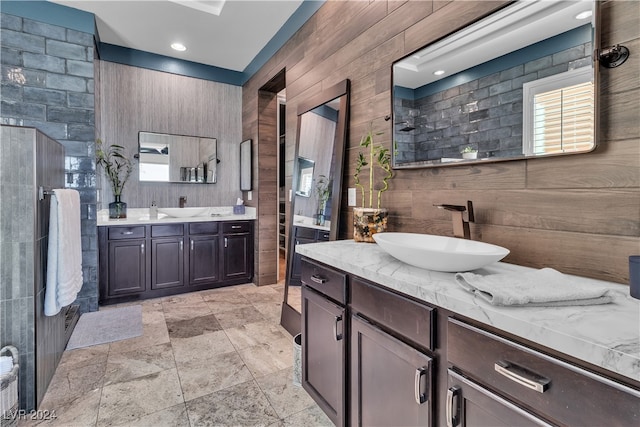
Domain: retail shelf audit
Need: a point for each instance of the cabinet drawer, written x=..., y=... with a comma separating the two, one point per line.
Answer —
x=402, y=315
x=305, y=233
x=203, y=228
x=166, y=230
x=117, y=233
x=236, y=227
x=325, y=280
x=563, y=393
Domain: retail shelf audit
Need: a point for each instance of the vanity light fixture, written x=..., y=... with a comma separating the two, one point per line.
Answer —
x=438, y=72
x=178, y=46
x=584, y=15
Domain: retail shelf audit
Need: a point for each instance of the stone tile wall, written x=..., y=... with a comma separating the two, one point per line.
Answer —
x=48, y=83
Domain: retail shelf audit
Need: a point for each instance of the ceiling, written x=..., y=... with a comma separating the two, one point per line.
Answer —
x=229, y=40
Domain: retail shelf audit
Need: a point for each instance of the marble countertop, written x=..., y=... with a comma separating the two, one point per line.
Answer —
x=140, y=216
x=305, y=221
x=606, y=335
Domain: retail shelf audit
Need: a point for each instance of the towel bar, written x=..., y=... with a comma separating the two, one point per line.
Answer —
x=42, y=193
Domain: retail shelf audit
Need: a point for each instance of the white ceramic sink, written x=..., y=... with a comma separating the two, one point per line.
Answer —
x=183, y=212
x=439, y=253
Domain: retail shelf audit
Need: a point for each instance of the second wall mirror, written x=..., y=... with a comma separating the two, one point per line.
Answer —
x=519, y=83
x=316, y=185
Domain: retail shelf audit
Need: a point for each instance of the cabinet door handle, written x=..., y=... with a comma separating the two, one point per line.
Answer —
x=235, y=227
x=318, y=279
x=192, y=244
x=452, y=418
x=226, y=242
x=420, y=397
x=142, y=248
x=181, y=245
x=126, y=233
x=335, y=328
x=522, y=376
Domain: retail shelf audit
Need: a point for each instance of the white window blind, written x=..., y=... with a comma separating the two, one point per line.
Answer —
x=559, y=113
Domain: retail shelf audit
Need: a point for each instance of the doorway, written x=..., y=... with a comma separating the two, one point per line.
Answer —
x=271, y=177
x=282, y=148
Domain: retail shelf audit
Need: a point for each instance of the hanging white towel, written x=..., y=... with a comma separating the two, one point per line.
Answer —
x=64, y=265
x=539, y=288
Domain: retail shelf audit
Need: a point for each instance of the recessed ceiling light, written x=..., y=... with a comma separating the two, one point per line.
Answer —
x=178, y=46
x=584, y=15
x=438, y=73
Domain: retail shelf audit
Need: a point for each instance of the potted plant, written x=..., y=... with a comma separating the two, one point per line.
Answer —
x=369, y=220
x=118, y=168
x=469, y=152
x=323, y=192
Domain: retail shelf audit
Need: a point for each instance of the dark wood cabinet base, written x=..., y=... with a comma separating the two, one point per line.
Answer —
x=151, y=261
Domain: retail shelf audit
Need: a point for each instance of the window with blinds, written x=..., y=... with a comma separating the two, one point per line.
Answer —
x=559, y=113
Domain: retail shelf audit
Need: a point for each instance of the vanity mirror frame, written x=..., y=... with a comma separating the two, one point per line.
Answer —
x=487, y=155
x=203, y=152
x=290, y=317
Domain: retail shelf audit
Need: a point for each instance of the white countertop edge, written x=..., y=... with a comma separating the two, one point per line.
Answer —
x=140, y=216
x=606, y=335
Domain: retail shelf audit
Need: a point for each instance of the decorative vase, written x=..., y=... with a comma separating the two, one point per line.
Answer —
x=117, y=209
x=470, y=156
x=367, y=222
x=320, y=219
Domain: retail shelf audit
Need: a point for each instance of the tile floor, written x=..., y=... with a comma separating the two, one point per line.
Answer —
x=216, y=357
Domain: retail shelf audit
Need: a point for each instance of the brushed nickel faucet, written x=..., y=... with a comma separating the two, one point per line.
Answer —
x=460, y=226
x=183, y=201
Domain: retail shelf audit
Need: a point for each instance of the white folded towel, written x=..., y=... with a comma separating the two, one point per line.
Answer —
x=540, y=288
x=64, y=265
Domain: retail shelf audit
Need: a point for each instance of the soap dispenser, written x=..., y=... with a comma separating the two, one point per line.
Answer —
x=153, y=210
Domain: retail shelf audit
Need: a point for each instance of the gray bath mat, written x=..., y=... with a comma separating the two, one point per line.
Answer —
x=105, y=326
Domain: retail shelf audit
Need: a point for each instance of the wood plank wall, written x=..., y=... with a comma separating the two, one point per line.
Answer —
x=135, y=99
x=579, y=214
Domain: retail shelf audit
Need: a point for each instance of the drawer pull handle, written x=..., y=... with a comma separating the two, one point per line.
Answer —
x=127, y=233
x=522, y=376
x=452, y=413
x=235, y=227
x=318, y=279
x=420, y=397
x=335, y=328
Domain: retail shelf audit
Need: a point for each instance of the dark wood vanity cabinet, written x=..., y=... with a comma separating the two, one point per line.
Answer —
x=302, y=235
x=324, y=338
x=408, y=363
x=127, y=272
x=391, y=382
x=237, y=250
x=392, y=363
x=147, y=261
x=204, y=250
x=167, y=256
x=493, y=375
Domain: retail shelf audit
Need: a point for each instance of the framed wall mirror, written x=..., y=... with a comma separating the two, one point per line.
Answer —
x=177, y=158
x=519, y=83
x=245, y=165
x=305, y=177
x=316, y=185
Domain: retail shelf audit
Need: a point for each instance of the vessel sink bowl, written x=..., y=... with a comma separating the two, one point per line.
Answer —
x=183, y=212
x=439, y=253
